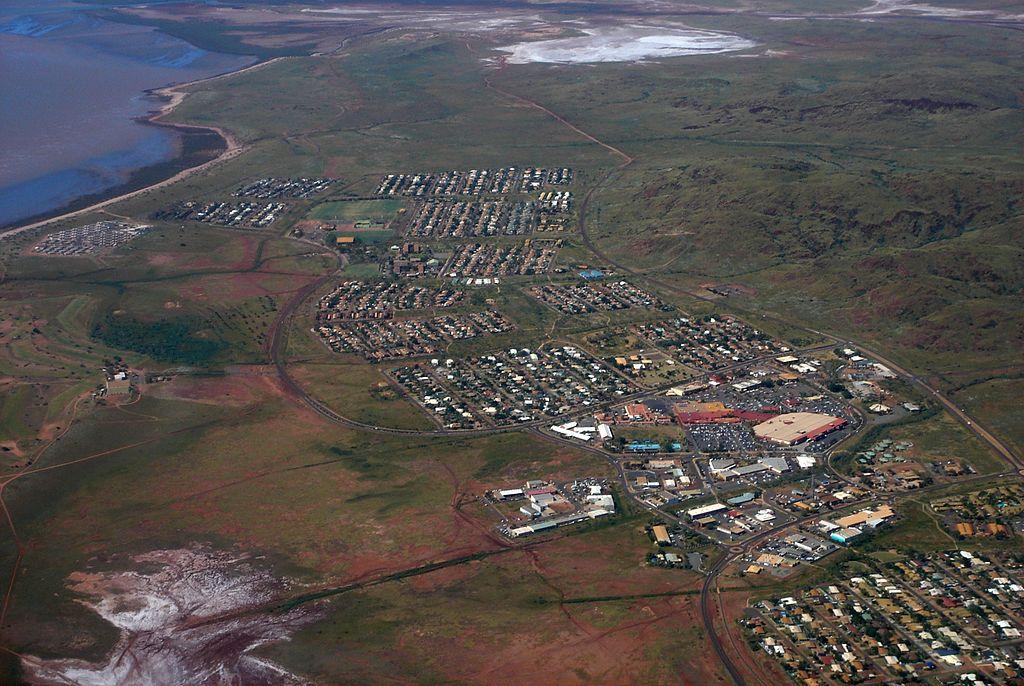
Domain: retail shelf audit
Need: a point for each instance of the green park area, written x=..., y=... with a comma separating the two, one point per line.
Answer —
x=364, y=214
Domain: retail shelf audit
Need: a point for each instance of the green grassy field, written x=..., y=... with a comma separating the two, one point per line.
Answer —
x=366, y=271
x=372, y=236
x=522, y=601
x=382, y=211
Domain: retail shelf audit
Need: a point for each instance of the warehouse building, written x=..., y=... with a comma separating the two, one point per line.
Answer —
x=846, y=535
x=796, y=427
x=698, y=512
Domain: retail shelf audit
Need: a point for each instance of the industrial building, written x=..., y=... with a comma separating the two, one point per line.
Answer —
x=698, y=512
x=796, y=427
x=846, y=535
x=870, y=517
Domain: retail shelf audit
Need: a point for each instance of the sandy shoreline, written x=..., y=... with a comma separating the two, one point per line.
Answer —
x=175, y=95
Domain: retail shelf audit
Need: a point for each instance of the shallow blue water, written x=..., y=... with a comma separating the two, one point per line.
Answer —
x=71, y=86
x=30, y=26
x=59, y=188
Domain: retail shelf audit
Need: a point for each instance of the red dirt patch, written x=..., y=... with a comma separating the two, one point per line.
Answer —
x=235, y=391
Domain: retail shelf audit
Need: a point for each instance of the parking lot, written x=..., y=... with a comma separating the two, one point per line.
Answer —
x=716, y=438
x=797, y=396
x=782, y=553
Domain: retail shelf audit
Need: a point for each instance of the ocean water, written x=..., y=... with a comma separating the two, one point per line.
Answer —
x=71, y=86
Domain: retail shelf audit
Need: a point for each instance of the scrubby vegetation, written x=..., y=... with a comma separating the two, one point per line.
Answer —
x=166, y=340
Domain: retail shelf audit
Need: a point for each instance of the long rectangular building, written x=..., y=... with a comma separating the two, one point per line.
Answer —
x=697, y=512
x=797, y=427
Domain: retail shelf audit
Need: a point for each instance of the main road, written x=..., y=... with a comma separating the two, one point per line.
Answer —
x=279, y=332
x=972, y=424
x=711, y=580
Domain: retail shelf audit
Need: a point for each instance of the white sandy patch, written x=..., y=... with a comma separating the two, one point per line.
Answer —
x=159, y=613
x=625, y=44
x=883, y=7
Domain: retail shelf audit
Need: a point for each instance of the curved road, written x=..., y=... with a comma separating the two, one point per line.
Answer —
x=711, y=581
x=958, y=413
x=275, y=349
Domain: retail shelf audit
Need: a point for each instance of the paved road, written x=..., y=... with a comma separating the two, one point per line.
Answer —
x=276, y=349
x=711, y=580
x=710, y=585
x=997, y=446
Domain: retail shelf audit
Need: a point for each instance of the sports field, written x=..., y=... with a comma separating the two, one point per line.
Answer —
x=351, y=211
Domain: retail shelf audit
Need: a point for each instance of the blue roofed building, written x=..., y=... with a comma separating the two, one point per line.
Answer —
x=642, y=447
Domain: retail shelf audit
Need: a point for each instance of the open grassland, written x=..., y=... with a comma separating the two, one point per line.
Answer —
x=405, y=105
x=567, y=613
x=360, y=391
x=47, y=362
x=173, y=297
x=918, y=529
x=220, y=460
x=869, y=202
x=923, y=529
x=941, y=438
x=999, y=401
x=109, y=442
x=44, y=334
x=935, y=437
